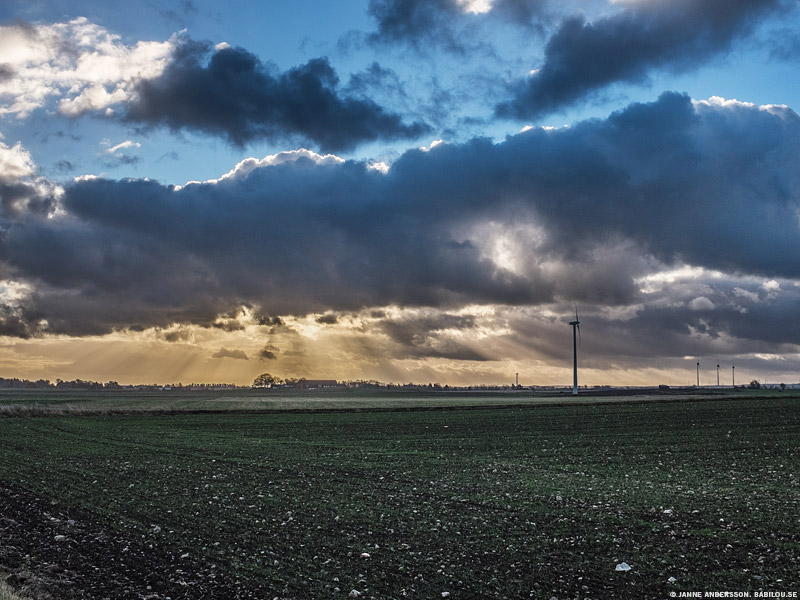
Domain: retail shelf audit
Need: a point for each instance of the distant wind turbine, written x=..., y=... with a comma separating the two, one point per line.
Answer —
x=576, y=332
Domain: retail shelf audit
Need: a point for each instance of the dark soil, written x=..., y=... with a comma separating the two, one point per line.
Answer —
x=94, y=561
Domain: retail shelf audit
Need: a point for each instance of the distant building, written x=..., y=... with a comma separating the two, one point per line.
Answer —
x=308, y=384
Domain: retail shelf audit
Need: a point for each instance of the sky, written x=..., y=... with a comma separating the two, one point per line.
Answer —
x=400, y=190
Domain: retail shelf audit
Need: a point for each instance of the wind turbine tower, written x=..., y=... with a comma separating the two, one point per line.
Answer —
x=576, y=331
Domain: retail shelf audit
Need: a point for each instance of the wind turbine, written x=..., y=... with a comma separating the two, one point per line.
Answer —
x=576, y=332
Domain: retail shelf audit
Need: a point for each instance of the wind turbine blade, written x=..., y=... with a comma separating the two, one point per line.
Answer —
x=579, y=332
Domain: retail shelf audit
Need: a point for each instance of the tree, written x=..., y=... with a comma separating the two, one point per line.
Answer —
x=265, y=380
x=755, y=385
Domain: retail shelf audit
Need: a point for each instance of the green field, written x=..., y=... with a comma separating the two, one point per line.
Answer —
x=521, y=500
x=48, y=401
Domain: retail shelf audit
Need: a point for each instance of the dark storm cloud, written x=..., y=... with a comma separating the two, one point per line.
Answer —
x=441, y=348
x=22, y=191
x=178, y=335
x=328, y=319
x=229, y=92
x=770, y=322
x=267, y=321
x=6, y=72
x=587, y=210
x=226, y=353
x=412, y=21
x=119, y=159
x=745, y=321
x=376, y=79
x=45, y=136
x=427, y=337
x=408, y=331
x=785, y=44
x=12, y=324
x=228, y=325
x=64, y=166
x=681, y=330
x=18, y=197
x=583, y=57
x=522, y=12
x=184, y=10
x=419, y=23
x=268, y=352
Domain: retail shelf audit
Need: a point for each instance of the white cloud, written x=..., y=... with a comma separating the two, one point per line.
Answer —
x=780, y=110
x=513, y=246
x=655, y=282
x=244, y=167
x=378, y=165
x=94, y=97
x=621, y=313
x=81, y=64
x=433, y=145
x=543, y=127
x=768, y=356
x=701, y=303
x=752, y=296
x=13, y=292
x=15, y=163
x=18, y=168
x=86, y=177
x=475, y=7
x=122, y=146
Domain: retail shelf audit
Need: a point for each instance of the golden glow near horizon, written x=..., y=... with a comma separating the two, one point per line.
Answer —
x=375, y=344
